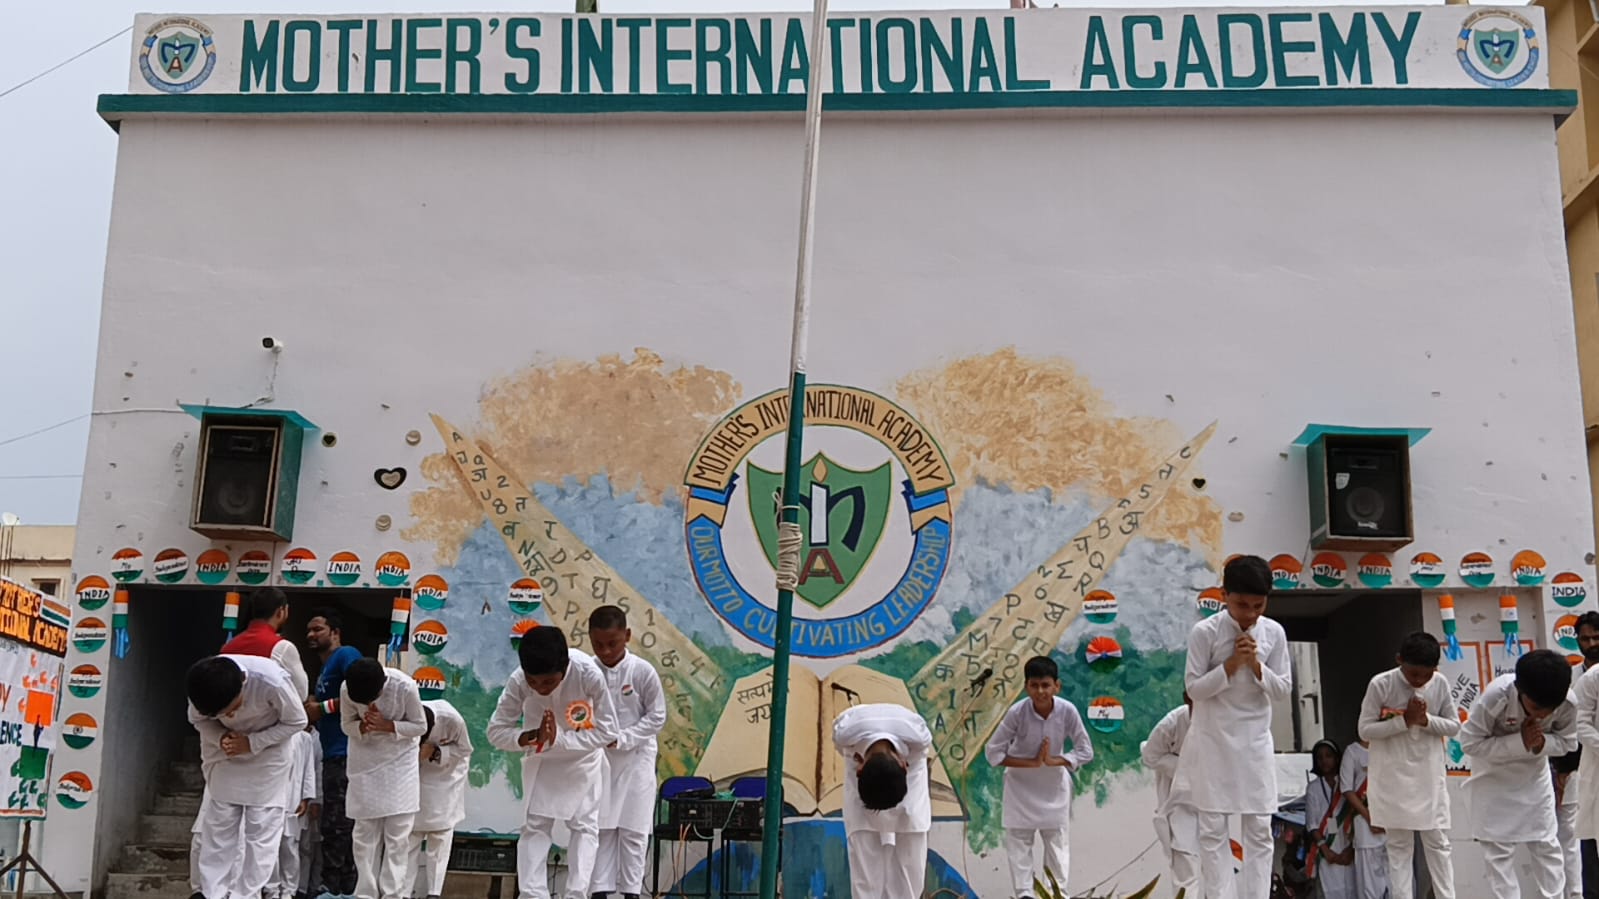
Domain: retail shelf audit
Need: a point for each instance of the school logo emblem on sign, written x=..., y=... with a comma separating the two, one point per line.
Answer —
x=177, y=55
x=873, y=510
x=1497, y=48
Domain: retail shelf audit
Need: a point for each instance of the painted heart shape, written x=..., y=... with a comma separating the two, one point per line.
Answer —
x=389, y=478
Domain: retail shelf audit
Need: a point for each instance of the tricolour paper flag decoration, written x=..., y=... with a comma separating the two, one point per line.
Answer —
x=1510, y=624
x=230, y=613
x=1446, y=611
x=119, y=623
x=399, y=623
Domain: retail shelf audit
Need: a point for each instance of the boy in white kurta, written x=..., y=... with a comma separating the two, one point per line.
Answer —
x=627, y=813
x=380, y=711
x=301, y=793
x=887, y=807
x=1405, y=717
x=444, y=758
x=1371, y=852
x=1519, y=722
x=1585, y=781
x=1237, y=666
x=1176, y=822
x=1030, y=744
x=556, y=712
x=246, y=712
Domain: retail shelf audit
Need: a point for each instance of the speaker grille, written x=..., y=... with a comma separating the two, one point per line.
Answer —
x=237, y=481
x=1367, y=488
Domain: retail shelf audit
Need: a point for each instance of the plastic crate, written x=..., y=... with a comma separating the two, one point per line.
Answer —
x=483, y=855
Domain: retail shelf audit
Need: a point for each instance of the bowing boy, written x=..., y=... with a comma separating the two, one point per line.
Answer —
x=887, y=807
x=246, y=711
x=1031, y=745
x=1176, y=823
x=627, y=812
x=1237, y=666
x=445, y=755
x=1519, y=722
x=381, y=712
x=556, y=711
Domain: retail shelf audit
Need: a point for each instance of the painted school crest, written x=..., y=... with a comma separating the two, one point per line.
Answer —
x=873, y=506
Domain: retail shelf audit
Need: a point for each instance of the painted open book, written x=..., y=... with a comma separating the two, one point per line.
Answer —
x=813, y=771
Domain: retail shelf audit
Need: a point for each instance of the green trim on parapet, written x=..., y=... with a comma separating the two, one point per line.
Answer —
x=116, y=107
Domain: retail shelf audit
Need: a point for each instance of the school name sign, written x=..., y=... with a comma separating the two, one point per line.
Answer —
x=1000, y=52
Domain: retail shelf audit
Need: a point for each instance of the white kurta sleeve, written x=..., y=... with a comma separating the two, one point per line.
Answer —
x=918, y=739
x=211, y=730
x=605, y=730
x=1476, y=740
x=1372, y=726
x=1159, y=752
x=309, y=790
x=1443, y=716
x=1586, y=694
x=455, y=744
x=1082, y=747
x=291, y=719
x=1203, y=681
x=505, y=725
x=649, y=692
x=1560, y=731
x=287, y=655
x=413, y=722
x=349, y=716
x=998, y=747
x=1276, y=672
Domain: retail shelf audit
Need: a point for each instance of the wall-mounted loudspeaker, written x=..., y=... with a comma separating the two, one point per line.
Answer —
x=1360, y=492
x=248, y=479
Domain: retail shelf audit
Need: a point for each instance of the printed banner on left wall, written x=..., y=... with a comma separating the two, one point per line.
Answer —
x=33, y=645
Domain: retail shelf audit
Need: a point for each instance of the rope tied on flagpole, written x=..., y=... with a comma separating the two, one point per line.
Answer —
x=790, y=540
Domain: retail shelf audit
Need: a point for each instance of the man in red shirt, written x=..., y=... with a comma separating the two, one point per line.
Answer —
x=268, y=609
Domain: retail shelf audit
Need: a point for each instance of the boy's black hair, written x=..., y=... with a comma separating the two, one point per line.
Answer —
x=881, y=782
x=331, y=616
x=543, y=651
x=428, y=714
x=1588, y=620
x=213, y=685
x=607, y=618
x=1544, y=677
x=265, y=602
x=1039, y=667
x=1420, y=649
x=364, y=679
x=1249, y=575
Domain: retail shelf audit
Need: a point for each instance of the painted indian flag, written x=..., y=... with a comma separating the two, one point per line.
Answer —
x=1105, y=714
x=79, y=730
x=56, y=613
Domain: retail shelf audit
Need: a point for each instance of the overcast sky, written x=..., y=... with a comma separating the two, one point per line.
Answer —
x=56, y=165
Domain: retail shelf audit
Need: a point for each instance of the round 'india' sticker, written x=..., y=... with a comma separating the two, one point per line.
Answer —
x=1105, y=714
x=89, y=634
x=430, y=682
x=1477, y=569
x=1568, y=590
x=79, y=730
x=1426, y=570
x=171, y=566
x=1210, y=601
x=212, y=566
x=1328, y=570
x=431, y=593
x=74, y=789
x=299, y=566
x=1100, y=606
x=85, y=681
x=1375, y=570
x=127, y=565
x=430, y=637
x=1285, y=571
x=526, y=596
x=255, y=567
x=344, y=569
x=393, y=569
x=1565, y=633
x=93, y=592
x=1528, y=568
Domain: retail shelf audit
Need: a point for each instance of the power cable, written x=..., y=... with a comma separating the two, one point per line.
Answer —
x=73, y=58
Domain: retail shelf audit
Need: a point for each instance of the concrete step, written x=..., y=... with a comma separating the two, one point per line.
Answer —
x=166, y=829
x=155, y=858
x=177, y=804
x=148, y=886
x=183, y=777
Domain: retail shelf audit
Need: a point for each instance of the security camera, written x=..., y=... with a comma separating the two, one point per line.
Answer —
x=272, y=343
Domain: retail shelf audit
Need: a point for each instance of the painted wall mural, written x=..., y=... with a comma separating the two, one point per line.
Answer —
x=956, y=525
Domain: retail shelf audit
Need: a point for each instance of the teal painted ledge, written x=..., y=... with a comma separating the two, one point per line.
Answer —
x=116, y=107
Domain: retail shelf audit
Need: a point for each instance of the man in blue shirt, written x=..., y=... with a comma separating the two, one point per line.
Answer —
x=324, y=636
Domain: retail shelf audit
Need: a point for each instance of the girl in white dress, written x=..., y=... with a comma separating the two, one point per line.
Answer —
x=1326, y=815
